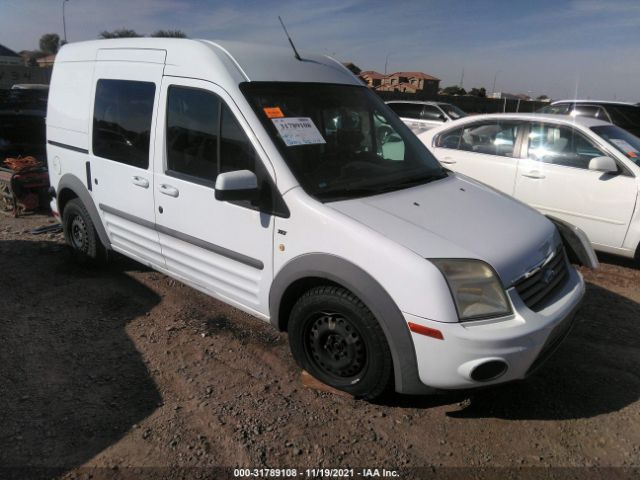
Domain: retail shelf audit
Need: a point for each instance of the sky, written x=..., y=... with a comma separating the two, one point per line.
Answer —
x=561, y=48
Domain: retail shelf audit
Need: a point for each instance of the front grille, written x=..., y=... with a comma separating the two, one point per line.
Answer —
x=544, y=282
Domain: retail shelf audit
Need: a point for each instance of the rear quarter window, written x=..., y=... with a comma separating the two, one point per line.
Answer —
x=122, y=121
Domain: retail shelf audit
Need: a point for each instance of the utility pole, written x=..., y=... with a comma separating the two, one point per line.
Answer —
x=493, y=88
x=386, y=61
x=64, y=23
x=462, y=79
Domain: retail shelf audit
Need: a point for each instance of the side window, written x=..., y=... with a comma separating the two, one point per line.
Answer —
x=203, y=136
x=432, y=113
x=122, y=121
x=407, y=110
x=450, y=139
x=492, y=137
x=192, y=132
x=389, y=144
x=236, y=152
x=560, y=145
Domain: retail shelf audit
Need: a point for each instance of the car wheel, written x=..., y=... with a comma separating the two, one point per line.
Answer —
x=80, y=234
x=337, y=339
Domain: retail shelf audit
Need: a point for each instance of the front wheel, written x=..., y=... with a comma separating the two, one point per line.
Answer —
x=81, y=235
x=337, y=339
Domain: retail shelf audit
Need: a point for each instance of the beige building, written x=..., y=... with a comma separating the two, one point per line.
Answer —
x=410, y=82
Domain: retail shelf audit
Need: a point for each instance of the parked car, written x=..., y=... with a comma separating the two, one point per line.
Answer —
x=625, y=115
x=582, y=170
x=263, y=181
x=421, y=116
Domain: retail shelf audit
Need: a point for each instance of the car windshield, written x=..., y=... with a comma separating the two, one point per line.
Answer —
x=453, y=111
x=341, y=141
x=621, y=140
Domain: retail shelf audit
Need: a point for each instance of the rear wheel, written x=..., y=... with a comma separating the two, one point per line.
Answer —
x=81, y=235
x=337, y=339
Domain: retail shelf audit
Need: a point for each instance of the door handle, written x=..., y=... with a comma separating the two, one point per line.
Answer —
x=448, y=160
x=169, y=190
x=533, y=174
x=140, y=181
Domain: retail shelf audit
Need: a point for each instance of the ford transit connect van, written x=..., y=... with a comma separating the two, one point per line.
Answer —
x=284, y=187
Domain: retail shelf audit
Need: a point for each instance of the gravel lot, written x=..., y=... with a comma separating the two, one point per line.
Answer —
x=104, y=370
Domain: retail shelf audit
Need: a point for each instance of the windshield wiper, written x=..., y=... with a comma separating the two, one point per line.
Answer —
x=415, y=181
x=344, y=192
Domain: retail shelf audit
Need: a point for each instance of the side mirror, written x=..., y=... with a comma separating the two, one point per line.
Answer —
x=237, y=185
x=603, y=164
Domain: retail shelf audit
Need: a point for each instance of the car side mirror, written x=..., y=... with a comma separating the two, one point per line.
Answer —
x=603, y=164
x=236, y=185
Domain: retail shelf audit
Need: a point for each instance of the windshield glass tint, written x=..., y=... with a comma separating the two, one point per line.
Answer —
x=453, y=111
x=341, y=141
x=621, y=140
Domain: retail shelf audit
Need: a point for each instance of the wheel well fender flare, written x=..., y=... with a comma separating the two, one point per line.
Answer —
x=317, y=268
x=576, y=242
x=77, y=187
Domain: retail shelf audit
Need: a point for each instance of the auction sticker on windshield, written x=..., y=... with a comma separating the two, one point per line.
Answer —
x=625, y=147
x=298, y=131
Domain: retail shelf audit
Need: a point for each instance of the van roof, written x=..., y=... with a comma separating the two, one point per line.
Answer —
x=251, y=62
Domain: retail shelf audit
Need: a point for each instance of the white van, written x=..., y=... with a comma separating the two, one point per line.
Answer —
x=265, y=181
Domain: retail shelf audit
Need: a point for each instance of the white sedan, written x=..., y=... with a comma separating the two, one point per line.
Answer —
x=581, y=170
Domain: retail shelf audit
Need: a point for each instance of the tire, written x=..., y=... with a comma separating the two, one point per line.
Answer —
x=337, y=339
x=81, y=235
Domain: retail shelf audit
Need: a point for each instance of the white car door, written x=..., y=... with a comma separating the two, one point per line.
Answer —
x=555, y=178
x=120, y=175
x=220, y=247
x=484, y=150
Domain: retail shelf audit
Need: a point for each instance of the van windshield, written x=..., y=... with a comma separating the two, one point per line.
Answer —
x=341, y=141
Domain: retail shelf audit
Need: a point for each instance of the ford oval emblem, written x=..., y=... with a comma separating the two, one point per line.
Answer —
x=548, y=275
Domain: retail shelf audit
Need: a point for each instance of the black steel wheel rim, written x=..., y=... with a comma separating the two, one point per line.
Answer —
x=335, y=346
x=78, y=233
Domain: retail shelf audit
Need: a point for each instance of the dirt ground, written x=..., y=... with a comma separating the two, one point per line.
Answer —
x=105, y=370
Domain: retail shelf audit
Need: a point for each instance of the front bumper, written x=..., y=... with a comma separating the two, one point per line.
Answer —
x=522, y=341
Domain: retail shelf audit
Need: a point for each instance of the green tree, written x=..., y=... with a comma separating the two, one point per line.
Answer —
x=50, y=43
x=478, y=92
x=543, y=97
x=169, y=34
x=120, y=33
x=454, y=90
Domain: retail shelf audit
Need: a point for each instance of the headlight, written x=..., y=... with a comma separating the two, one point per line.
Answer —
x=475, y=287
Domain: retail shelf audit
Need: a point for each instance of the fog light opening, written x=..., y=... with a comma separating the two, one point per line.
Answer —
x=489, y=371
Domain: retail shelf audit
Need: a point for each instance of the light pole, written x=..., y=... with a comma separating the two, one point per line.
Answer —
x=64, y=23
x=493, y=88
x=386, y=60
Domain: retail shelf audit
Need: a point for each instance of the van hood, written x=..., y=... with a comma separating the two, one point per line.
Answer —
x=457, y=217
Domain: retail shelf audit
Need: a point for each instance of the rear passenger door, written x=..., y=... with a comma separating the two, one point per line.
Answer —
x=222, y=248
x=126, y=91
x=486, y=150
